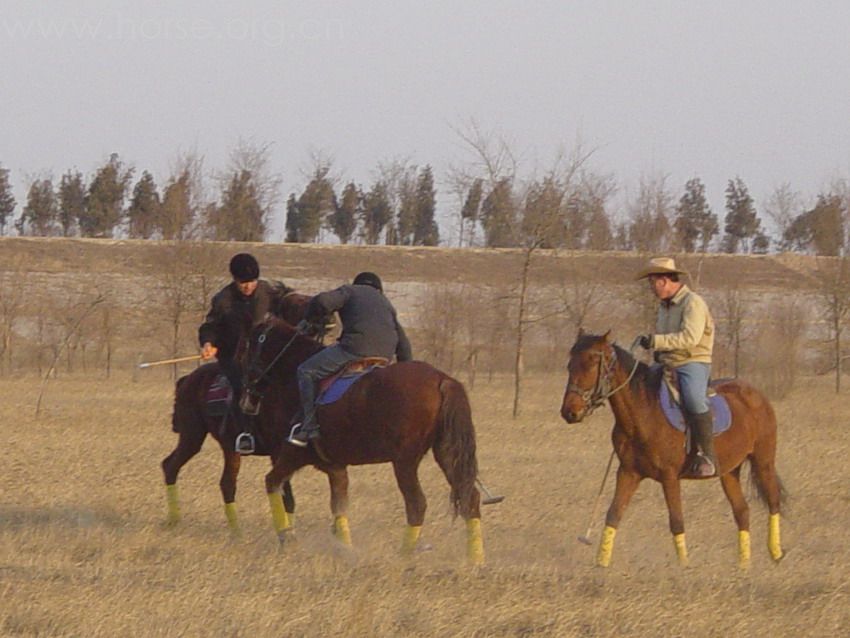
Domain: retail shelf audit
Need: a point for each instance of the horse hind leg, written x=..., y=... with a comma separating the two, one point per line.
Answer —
x=770, y=490
x=338, y=480
x=188, y=445
x=731, y=482
x=415, y=503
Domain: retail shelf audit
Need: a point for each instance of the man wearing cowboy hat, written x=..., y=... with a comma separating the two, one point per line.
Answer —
x=683, y=340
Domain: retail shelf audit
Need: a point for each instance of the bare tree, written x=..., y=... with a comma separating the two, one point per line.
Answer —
x=782, y=207
x=735, y=311
x=13, y=291
x=833, y=277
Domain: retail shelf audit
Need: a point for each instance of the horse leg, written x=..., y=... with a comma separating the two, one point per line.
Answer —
x=188, y=445
x=731, y=482
x=232, y=461
x=627, y=483
x=768, y=483
x=673, y=498
x=282, y=470
x=338, y=480
x=415, y=504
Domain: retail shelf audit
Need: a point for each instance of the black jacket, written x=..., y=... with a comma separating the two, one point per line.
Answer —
x=232, y=315
x=370, y=327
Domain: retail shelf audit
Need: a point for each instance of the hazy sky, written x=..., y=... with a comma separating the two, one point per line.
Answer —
x=708, y=89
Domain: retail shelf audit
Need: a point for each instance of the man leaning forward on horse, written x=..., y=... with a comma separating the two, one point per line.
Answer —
x=684, y=340
x=370, y=328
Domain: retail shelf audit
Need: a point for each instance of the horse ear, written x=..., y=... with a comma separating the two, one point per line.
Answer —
x=607, y=337
x=580, y=333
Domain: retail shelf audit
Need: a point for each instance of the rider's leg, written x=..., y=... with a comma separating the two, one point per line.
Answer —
x=322, y=364
x=693, y=385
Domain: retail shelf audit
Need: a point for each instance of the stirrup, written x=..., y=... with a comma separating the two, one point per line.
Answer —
x=297, y=437
x=701, y=467
x=245, y=443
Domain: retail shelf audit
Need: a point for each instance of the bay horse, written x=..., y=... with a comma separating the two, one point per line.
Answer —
x=648, y=447
x=191, y=421
x=392, y=415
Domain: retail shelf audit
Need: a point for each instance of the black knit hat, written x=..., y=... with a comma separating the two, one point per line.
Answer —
x=369, y=279
x=244, y=267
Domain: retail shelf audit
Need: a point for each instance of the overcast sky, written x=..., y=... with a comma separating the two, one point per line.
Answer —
x=708, y=89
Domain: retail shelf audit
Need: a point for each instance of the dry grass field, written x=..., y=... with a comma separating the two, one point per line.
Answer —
x=84, y=552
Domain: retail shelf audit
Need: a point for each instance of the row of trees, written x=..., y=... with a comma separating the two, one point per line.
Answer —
x=569, y=206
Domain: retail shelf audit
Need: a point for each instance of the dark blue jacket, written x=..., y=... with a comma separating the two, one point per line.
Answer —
x=370, y=327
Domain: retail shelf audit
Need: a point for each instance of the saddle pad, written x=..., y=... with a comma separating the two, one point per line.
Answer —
x=339, y=384
x=219, y=396
x=720, y=413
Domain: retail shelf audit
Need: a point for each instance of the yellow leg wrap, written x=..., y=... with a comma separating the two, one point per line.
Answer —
x=408, y=541
x=743, y=549
x=230, y=513
x=474, y=541
x=681, y=549
x=173, y=503
x=774, y=545
x=606, y=546
x=279, y=516
x=342, y=530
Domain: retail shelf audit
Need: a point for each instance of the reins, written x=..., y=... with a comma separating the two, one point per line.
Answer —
x=252, y=384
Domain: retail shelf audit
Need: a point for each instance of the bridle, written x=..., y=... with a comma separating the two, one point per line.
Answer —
x=251, y=384
x=601, y=390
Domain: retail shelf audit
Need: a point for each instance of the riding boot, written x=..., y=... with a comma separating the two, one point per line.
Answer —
x=703, y=461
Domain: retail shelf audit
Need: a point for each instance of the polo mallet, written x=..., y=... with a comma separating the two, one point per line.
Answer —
x=489, y=499
x=586, y=538
x=162, y=362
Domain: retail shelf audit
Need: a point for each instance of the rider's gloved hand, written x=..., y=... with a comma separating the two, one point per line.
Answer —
x=645, y=341
x=304, y=326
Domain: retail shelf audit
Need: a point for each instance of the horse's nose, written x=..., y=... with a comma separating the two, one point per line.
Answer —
x=568, y=415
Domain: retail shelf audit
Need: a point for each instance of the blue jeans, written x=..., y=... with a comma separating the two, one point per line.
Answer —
x=320, y=366
x=693, y=386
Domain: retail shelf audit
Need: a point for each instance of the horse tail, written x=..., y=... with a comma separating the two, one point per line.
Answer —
x=761, y=490
x=175, y=427
x=454, y=447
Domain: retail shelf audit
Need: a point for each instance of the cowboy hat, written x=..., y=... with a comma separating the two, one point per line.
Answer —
x=660, y=266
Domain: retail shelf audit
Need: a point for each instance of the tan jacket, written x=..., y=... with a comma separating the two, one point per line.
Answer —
x=684, y=330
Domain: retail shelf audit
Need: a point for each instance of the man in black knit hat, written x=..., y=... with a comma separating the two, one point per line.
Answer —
x=234, y=310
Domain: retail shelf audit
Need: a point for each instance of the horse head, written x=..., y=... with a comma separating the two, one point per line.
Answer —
x=591, y=371
x=264, y=359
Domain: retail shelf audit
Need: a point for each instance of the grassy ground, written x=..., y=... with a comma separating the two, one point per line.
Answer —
x=83, y=549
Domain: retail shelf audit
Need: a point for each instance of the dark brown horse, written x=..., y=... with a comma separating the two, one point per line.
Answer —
x=192, y=422
x=648, y=447
x=392, y=415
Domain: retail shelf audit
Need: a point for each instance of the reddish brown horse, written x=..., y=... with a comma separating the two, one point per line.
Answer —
x=192, y=422
x=648, y=447
x=391, y=415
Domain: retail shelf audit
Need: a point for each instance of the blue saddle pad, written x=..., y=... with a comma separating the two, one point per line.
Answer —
x=720, y=412
x=340, y=386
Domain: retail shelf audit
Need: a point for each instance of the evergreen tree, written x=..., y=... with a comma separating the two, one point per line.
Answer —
x=293, y=220
x=104, y=209
x=408, y=210
x=819, y=230
x=742, y=224
x=38, y=217
x=542, y=219
x=72, y=201
x=7, y=200
x=239, y=215
x=498, y=215
x=177, y=213
x=315, y=204
x=343, y=220
x=376, y=213
x=471, y=210
x=695, y=224
x=425, y=231
x=144, y=208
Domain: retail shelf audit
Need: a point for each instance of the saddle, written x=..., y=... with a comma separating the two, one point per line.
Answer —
x=333, y=388
x=670, y=401
x=219, y=396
